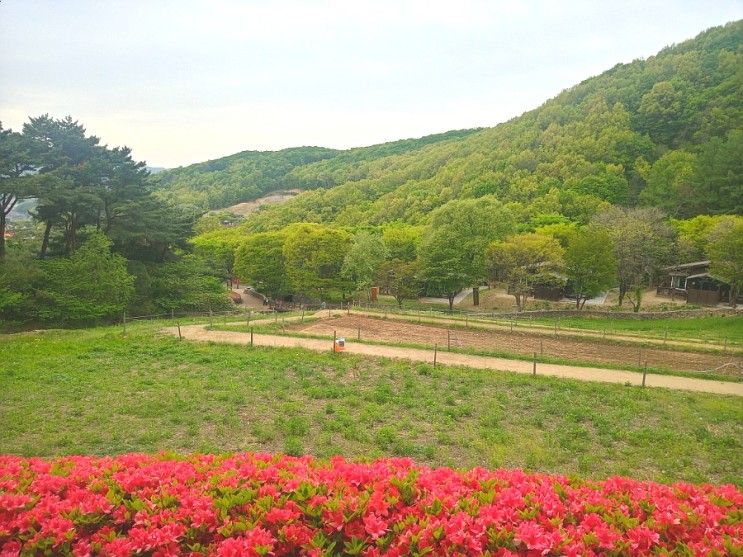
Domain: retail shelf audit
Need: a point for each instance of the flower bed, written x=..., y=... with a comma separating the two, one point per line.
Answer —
x=259, y=504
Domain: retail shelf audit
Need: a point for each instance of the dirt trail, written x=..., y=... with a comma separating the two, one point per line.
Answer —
x=518, y=342
x=200, y=333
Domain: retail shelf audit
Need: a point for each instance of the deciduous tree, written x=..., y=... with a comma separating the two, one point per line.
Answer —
x=523, y=261
x=590, y=265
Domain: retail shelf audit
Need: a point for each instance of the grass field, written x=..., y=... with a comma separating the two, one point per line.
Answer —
x=713, y=328
x=97, y=391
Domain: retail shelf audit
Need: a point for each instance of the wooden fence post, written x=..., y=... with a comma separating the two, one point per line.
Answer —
x=541, y=347
x=180, y=337
x=251, y=336
x=435, y=353
x=534, y=365
x=358, y=333
x=644, y=373
x=448, y=340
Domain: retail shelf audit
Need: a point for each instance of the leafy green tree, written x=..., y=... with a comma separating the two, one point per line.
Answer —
x=16, y=161
x=364, y=259
x=719, y=175
x=643, y=242
x=452, y=250
x=90, y=284
x=725, y=251
x=187, y=285
x=314, y=256
x=590, y=265
x=401, y=279
x=259, y=261
x=402, y=241
x=670, y=183
x=522, y=261
x=68, y=166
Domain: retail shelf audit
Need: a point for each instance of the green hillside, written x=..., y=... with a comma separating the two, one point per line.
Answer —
x=251, y=174
x=665, y=132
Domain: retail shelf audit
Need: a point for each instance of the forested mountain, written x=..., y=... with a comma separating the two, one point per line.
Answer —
x=251, y=174
x=664, y=132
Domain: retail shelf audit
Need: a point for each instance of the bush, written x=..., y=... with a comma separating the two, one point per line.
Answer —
x=259, y=504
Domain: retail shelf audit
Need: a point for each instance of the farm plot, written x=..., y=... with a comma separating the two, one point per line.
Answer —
x=518, y=342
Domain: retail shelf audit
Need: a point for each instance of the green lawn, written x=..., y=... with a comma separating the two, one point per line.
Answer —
x=96, y=391
x=713, y=328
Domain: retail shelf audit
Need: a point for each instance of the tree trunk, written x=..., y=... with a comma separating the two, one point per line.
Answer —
x=475, y=296
x=577, y=302
x=45, y=241
x=622, y=293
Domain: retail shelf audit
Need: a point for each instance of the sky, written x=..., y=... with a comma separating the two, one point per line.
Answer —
x=185, y=81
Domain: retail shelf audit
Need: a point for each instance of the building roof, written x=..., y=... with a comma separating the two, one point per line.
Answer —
x=706, y=275
x=686, y=266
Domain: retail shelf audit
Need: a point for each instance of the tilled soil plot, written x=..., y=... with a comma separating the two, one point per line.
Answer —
x=519, y=342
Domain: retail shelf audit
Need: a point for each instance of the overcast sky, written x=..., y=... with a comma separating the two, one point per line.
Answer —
x=183, y=81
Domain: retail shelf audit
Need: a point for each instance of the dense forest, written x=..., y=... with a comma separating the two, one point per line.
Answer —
x=100, y=243
x=626, y=172
x=598, y=188
x=664, y=132
x=251, y=174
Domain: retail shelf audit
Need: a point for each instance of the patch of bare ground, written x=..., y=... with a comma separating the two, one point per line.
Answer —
x=518, y=342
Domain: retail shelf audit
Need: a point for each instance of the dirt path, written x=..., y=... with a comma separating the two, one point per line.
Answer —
x=517, y=342
x=199, y=333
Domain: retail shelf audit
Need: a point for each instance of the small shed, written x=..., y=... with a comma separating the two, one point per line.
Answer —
x=705, y=290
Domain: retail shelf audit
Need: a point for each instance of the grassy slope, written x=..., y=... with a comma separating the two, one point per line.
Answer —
x=99, y=392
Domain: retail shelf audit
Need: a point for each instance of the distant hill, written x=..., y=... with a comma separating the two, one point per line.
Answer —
x=249, y=175
x=666, y=131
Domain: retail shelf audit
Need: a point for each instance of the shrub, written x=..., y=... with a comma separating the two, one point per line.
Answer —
x=260, y=504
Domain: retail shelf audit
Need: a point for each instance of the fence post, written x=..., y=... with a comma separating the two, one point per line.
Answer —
x=541, y=347
x=179, y=331
x=251, y=336
x=435, y=353
x=534, y=365
x=448, y=340
x=358, y=335
x=644, y=373
x=332, y=349
x=639, y=357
